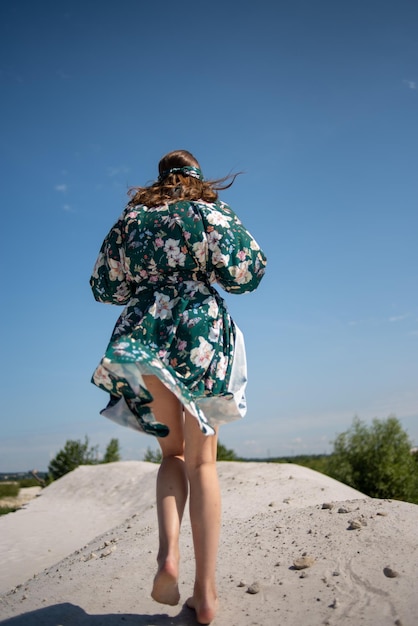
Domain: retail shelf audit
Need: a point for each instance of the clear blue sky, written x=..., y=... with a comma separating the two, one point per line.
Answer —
x=317, y=102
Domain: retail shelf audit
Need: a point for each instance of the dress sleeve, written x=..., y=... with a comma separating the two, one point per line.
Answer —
x=235, y=258
x=108, y=281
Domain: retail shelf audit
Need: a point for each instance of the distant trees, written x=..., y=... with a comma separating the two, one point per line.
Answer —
x=153, y=456
x=223, y=454
x=112, y=453
x=76, y=452
x=73, y=454
x=376, y=460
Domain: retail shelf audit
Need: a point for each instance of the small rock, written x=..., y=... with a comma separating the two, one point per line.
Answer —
x=303, y=574
x=303, y=562
x=390, y=573
x=241, y=583
x=328, y=505
x=382, y=513
x=254, y=588
x=334, y=604
x=108, y=552
x=287, y=500
x=92, y=555
x=343, y=509
x=356, y=524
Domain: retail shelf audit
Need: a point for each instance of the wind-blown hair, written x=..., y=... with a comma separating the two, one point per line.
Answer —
x=175, y=186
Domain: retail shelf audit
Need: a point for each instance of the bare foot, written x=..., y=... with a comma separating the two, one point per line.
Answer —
x=165, y=588
x=205, y=611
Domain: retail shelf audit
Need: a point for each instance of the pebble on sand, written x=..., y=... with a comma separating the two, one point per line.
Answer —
x=303, y=562
x=390, y=573
x=254, y=588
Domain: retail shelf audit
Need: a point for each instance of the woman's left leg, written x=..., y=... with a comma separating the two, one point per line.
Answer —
x=172, y=491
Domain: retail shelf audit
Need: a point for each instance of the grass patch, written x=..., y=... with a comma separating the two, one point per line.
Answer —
x=29, y=482
x=4, y=510
x=9, y=490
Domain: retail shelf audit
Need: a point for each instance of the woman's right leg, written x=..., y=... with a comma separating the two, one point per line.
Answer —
x=186, y=442
x=205, y=516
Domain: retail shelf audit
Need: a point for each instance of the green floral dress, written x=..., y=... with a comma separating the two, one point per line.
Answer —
x=161, y=263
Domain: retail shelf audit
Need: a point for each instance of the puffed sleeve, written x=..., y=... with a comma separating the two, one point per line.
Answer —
x=108, y=281
x=234, y=256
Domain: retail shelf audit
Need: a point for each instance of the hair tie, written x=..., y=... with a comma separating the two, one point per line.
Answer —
x=187, y=170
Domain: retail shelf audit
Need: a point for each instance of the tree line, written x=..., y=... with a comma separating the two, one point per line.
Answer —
x=376, y=459
x=77, y=452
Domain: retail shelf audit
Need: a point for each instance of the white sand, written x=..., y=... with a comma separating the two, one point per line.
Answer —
x=95, y=533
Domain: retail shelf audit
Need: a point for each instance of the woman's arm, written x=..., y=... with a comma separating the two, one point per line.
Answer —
x=234, y=255
x=108, y=281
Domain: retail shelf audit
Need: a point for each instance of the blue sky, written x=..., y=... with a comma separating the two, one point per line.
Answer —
x=317, y=102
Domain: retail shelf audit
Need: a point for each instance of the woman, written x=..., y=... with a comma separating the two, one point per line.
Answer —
x=175, y=365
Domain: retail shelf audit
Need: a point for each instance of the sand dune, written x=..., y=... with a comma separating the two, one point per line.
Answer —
x=296, y=547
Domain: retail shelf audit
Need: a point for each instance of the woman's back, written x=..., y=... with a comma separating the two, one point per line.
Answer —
x=176, y=242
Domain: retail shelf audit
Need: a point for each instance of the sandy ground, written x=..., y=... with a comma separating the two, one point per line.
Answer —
x=83, y=552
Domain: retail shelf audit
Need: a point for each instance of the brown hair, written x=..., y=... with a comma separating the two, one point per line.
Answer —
x=177, y=186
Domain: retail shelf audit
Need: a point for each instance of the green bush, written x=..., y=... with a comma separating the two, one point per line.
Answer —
x=225, y=454
x=376, y=460
x=112, y=454
x=73, y=454
x=153, y=456
x=76, y=452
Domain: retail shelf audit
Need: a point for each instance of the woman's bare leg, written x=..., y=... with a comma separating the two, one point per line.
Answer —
x=172, y=487
x=205, y=516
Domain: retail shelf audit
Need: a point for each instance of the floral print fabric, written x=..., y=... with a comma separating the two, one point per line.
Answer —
x=162, y=263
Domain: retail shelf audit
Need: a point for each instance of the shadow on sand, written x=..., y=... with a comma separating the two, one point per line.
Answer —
x=67, y=614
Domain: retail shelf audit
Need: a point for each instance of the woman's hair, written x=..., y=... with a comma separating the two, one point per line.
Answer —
x=180, y=178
